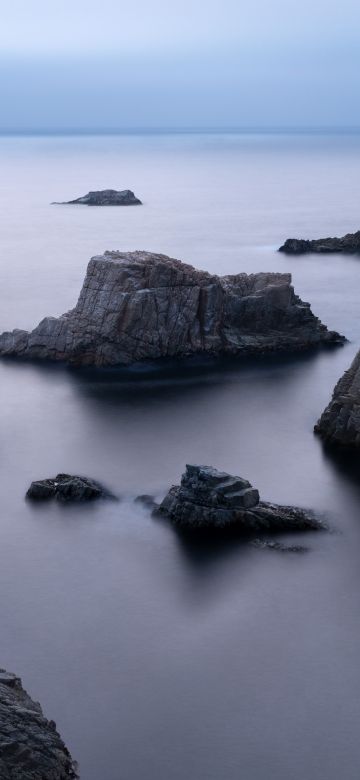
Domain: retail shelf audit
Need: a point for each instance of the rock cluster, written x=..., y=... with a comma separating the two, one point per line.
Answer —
x=106, y=198
x=30, y=746
x=211, y=499
x=65, y=487
x=349, y=244
x=140, y=306
x=340, y=422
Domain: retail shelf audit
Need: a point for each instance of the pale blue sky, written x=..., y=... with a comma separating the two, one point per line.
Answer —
x=157, y=63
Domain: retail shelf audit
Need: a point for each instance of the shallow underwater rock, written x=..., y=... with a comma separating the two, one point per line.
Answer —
x=139, y=306
x=339, y=424
x=67, y=488
x=349, y=244
x=211, y=499
x=105, y=198
x=146, y=500
x=30, y=746
x=266, y=544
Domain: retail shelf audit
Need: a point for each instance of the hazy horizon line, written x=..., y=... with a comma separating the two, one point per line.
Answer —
x=145, y=130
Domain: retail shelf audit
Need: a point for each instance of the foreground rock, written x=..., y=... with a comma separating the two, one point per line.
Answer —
x=30, y=747
x=340, y=422
x=139, y=306
x=105, y=198
x=349, y=244
x=211, y=499
x=65, y=487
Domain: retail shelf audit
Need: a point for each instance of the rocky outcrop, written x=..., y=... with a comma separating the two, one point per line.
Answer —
x=211, y=499
x=340, y=422
x=67, y=488
x=30, y=746
x=349, y=244
x=139, y=306
x=105, y=198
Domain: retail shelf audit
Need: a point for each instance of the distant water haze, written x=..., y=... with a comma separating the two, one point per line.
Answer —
x=159, y=659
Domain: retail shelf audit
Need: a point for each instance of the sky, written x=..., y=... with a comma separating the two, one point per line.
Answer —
x=116, y=65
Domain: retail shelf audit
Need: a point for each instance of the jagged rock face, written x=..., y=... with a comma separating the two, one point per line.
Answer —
x=67, y=488
x=340, y=422
x=106, y=198
x=211, y=499
x=30, y=747
x=349, y=244
x=138, y=306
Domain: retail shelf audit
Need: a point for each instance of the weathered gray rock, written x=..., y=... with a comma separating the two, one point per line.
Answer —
x=211, y=499
x=105, y=198
x=67, y=488
x=349, y=244
x=139, y=306
x=340, y=422
x=30, y=746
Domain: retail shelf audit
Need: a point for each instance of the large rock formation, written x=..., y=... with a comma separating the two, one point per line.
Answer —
x=67, y=488
x=138, y=306
x=30, y=747
x=340, y=422
x=211, y=499
x=349, y=244
x=105, y=198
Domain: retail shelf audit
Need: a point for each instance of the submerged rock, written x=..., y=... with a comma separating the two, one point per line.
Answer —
x=349, y=244
x=266, y=544
x=105, y=198
x=340, y=422
x=211, y=499
x=139, y=306
x=146, y=500
x=65, y=487
x=30, y=746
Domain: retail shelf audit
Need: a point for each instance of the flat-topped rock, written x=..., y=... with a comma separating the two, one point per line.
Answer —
x=105, y=198
x=349, y=244
x=339, y=424
x=211, y=499
x=30, y=746
x=67, y=488
x=141, y=306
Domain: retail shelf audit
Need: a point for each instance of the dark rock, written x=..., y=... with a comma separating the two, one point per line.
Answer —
x=139, y=306
x=211, y=499
x=146, y=500
x=106, y=198
x=339, y=424
x=30, y=746
x=349, y=244
x=65, y=487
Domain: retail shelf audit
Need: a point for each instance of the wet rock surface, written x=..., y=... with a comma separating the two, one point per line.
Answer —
x=339, y=424
x=140, y=306
x=349, y=244
x=211, y=499
x=30, y=746
x=105, y=198
x=67, y=488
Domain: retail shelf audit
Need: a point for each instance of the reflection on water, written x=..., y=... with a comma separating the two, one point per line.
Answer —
x=159, y=657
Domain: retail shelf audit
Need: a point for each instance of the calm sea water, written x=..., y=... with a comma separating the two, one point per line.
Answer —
x=158, y=660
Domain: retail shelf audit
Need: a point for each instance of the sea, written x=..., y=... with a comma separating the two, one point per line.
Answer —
x=161, y=658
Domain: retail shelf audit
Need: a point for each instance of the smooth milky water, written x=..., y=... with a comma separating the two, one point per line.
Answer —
x=160, y=660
